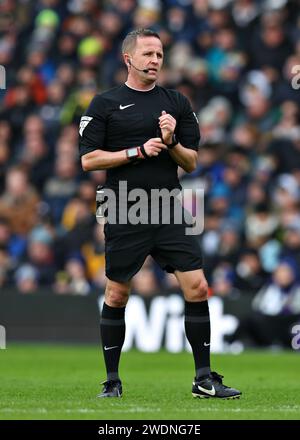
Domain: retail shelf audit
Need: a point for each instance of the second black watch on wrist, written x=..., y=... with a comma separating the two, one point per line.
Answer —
x=173, y=143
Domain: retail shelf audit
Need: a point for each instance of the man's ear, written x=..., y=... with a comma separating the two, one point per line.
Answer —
x=126, y=58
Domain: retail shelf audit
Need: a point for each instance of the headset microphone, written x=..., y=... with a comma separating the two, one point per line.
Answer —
x=140, y=70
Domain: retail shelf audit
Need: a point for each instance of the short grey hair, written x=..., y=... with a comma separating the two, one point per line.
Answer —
x=129, y=41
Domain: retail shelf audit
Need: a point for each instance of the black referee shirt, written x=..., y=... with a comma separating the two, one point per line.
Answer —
x=122, y=118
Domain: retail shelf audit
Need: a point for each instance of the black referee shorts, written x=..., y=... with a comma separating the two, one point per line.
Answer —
x=127, y=246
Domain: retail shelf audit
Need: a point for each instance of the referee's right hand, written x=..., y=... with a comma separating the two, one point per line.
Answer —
x=154, y=146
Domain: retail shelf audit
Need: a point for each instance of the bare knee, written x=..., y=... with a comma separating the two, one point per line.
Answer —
x=198, y=291
x=116, y=294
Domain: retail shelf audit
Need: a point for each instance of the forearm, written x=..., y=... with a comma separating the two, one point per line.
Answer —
x=102, y=160
x=184, y=157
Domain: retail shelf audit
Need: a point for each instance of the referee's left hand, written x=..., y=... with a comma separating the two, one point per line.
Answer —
x=167, y=125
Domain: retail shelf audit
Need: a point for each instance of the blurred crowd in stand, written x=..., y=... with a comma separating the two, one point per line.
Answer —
x=238, y=62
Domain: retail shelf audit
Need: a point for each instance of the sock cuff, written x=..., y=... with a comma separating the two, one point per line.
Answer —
x=196, y=308
x=113, y=376
x=203, y=372
x=109, y=312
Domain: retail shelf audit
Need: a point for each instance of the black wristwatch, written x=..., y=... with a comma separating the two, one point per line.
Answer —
x=173, y=143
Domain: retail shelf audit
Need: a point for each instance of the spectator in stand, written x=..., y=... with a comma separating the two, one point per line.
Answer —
x=275, y=307
x=62, y=186
x=291, y=242
x=40, y=255
x=19, y=202
x=26, y=278
x=75, y=269
x=144, y=282
x=282, y=295
x=250, y=275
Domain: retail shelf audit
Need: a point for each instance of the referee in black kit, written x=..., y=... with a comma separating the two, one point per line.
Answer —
x=140, y=133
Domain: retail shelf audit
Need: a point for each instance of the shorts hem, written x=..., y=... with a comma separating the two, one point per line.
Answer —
x=117, y=280
x=185, y=269
x=126, y=278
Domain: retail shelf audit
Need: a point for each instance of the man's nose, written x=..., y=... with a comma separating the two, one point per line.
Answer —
x=154, y=59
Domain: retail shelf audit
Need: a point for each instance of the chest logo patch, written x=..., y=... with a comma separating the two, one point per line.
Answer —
x=122, y=107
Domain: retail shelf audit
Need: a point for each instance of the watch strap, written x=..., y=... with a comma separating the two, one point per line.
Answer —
x=173, y=143
x=143, y=151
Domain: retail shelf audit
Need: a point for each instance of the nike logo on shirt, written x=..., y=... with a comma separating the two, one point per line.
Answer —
x=110, y=348
x=211, y=392
x=206, y=344
x=122, y=107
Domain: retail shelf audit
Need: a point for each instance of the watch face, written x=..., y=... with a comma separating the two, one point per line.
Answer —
x=132, y=153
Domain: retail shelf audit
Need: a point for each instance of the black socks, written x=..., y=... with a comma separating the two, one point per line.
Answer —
x=197, y=329
x=112, y=327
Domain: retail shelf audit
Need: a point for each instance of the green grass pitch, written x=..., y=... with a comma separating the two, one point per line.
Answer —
x=61, y=382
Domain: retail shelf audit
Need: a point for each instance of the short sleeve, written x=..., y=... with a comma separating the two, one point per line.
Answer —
x=188, y=131
x=92, y=126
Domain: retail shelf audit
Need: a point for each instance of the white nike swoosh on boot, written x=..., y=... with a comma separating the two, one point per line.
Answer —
x=211, y=392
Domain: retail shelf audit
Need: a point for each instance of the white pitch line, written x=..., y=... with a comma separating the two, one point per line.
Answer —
x=287, y=409
x=145, y=409
x=80, y=410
